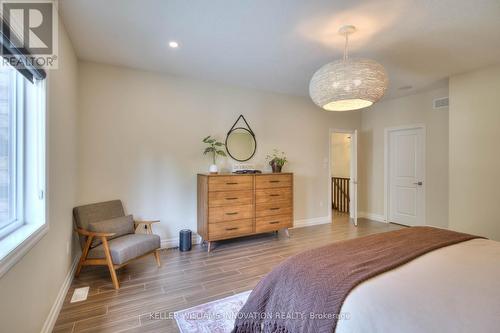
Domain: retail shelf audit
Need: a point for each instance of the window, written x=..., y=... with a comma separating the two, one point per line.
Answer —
x=22, y=147
x=10, y=164
x=22, y=159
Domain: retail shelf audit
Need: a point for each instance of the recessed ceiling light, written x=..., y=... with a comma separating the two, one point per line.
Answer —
x=173, y=44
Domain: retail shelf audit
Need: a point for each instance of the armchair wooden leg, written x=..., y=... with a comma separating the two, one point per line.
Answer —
x=79, y=267
x=157, y=257
x=109, y=260
x=83, y=257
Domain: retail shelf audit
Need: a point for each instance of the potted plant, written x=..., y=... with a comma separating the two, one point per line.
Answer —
x=276, y=160
x=214, y=147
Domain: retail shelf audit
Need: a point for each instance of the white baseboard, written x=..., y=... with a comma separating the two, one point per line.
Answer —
x=174, y=242
x=372, y=216
x=314, y=221
x=196, y=239
x=169, y=243
x=48, y=326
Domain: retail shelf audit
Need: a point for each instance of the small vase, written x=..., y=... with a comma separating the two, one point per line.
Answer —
x=276, y=168
x=213, y=169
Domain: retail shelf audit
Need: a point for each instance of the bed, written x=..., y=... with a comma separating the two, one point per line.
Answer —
x=442, y=282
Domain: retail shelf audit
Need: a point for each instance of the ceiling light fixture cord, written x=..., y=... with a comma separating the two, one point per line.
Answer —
x=346, y=50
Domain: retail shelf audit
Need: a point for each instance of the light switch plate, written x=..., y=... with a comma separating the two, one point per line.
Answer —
x=80, y=294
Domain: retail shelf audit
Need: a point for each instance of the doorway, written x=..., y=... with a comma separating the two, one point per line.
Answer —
x=343, y=174
x=405, y=175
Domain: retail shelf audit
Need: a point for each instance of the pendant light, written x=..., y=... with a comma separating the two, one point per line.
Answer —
x=348, y=84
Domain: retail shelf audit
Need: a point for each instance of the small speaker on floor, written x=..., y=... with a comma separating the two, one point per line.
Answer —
x=185, y=240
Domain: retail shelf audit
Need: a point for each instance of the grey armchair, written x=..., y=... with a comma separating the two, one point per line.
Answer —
x=107, y=237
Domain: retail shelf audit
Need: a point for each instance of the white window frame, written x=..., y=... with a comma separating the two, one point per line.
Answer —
x=23, y=234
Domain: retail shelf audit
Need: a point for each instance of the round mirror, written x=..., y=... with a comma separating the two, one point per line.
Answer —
x=241, y=144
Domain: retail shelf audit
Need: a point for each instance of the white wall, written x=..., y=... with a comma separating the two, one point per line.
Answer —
x=409, y=110
x=341, y=155
x=140, y=140
x=474, y=152
x=30, y=288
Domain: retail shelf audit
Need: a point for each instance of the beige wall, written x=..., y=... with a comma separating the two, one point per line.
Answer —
x=474, y=152
x=341, y=155
x=29, y=288
x=414, y=109
x=140, y=140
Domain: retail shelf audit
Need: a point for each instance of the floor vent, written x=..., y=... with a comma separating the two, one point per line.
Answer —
x=80, y=294
x=440, y=103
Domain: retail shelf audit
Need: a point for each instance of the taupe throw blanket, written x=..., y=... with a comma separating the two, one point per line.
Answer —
x=305, y=293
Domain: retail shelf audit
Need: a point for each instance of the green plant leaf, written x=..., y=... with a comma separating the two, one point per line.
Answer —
x=218, y=144
x=208, y=150
x=205, y=139
x=221, y=153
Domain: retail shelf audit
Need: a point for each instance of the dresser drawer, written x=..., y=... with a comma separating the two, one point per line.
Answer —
x=230, y=183
x=273, y=208
x=228, y=213
x=230, y=198
x=272, y=223
x=273, y=194
x=273, y=181
x=230, y=229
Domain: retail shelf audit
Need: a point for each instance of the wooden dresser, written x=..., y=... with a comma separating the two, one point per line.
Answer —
x=231, y=205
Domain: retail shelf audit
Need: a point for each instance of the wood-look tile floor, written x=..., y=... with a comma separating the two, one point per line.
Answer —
x=186, y=279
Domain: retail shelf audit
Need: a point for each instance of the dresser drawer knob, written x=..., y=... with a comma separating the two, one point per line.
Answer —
x=235, y=213
x=274, y=208
x=274, y=181
x=274, y=195
x=274, y=222
x=231, y=229
x=232, y=183
x=231, y=198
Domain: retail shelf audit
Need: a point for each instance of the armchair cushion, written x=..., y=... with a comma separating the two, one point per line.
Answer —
x=84, y=215
x=127, y=247
x=120, y=226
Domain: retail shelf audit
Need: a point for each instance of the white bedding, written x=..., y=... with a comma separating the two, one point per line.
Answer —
x=453, y=289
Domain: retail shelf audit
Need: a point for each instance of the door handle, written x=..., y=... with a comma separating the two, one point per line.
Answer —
x=419, y=183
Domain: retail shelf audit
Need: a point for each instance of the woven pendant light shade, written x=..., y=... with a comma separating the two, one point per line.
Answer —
x=348, y=84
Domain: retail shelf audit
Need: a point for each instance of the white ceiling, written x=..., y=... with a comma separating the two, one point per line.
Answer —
x=277, y=45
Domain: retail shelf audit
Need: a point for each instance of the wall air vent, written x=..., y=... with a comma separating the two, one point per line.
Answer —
x=441, y=103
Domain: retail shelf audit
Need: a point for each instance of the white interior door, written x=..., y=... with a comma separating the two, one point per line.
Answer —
x=354, y=179
x=406, y=188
